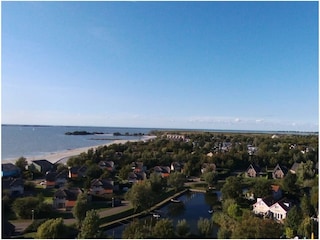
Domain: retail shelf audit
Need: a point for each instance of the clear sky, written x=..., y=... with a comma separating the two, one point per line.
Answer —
x=199, y=65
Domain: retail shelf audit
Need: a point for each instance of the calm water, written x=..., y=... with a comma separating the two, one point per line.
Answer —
x=29, y=141
x=195, y=205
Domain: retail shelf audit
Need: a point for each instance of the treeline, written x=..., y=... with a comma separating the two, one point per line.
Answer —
x=285, y=150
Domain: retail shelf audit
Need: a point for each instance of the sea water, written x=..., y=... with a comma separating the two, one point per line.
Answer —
x=29, y=141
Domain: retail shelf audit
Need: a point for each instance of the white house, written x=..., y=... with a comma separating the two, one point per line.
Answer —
x=269, y=207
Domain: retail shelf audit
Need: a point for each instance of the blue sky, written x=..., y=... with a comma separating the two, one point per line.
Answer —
x=202, y=65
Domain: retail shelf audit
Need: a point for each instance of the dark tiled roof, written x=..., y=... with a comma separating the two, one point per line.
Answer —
x=69, y=194
x=45, y=164
x=105, y=183
x=9, y=167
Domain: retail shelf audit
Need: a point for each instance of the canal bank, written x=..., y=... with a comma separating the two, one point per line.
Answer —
x=147, y=212
x=191, y=206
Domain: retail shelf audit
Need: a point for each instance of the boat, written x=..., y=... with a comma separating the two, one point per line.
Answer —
x=175, y=200
x=156, y=215
x=210, y=211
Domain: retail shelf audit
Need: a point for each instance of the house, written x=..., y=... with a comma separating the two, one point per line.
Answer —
x=77, y=172
x=208, y=167
x=294, y=168
x=269, y=207
x=176, y=166
x=54, y=179
x=135, y=177
x=262, y=206
x=279, y=172
x=65, y=199
x=101, y=186
x=10, y=170
x=252, y=150
x=253, y=171
x=42, y=166
x=176, y=137
x=138, y=167
x=14, y=186
x=164, y=171
x=280, y=209
x=108, y=165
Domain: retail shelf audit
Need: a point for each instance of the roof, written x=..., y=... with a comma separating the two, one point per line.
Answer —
x=285, y=204
x=8, y=167
x=45, y=164
x=255, y=167
x=269, y=201
x=52, y=176
x=69, y=194
x=104, y=183
x=282, y=168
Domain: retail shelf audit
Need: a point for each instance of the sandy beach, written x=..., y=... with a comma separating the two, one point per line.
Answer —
x=63, y=156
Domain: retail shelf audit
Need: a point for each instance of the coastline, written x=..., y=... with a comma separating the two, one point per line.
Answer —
x=63, y=156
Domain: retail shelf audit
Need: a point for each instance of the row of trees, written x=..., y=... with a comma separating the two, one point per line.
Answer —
x=165, y=229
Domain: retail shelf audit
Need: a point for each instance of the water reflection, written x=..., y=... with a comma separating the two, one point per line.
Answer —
x=176, y=209
x=192, y=206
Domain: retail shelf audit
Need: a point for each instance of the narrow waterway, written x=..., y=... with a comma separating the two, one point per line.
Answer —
x=192, y=206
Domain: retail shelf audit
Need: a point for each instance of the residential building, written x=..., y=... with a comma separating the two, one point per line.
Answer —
x=101, y=186
x=164, y=171
x=279, y=172
x=14, y=186
x=253, y=171
x=9, y=170
x=43, y=166
x=65, y=199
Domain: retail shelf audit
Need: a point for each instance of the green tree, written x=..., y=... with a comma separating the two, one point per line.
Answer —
x=163, y=229
x=176, y=180
x=305, y=171
x=22, y=163
x=52, y=229
x=156, y=182
x=183, y=229
x=23, y=207
x=234, y=210
x=289, y=183
x=80, y=208
x=304, y=228
x=261, y=187
x=205, y=227
x=93, y=171
x=232, y=188
x=90, y=226
x=124, y=172
x=294, y=218
x=306, y=206
x=210, y=177
x=140, y=196
x=253, y=227
x=135, y=230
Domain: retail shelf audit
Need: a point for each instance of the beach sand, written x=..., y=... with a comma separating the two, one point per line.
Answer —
x=63, y=156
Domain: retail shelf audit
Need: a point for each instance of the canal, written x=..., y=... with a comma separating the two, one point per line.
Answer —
x=191, y=207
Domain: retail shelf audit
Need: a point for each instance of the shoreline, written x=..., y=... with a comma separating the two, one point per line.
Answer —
x=63, y=156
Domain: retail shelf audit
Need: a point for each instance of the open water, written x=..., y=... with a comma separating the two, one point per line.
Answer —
x=29, y=141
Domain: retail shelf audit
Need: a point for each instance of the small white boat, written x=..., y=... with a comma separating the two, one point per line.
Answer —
x=210, y=211
x=175, y=200
x=156, y=215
